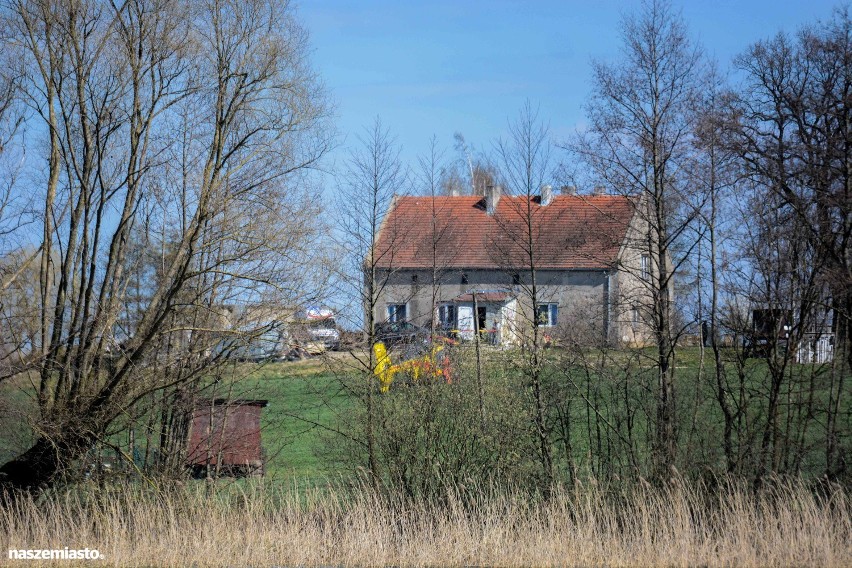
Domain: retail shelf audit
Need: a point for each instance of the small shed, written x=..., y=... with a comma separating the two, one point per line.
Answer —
x=224, y=438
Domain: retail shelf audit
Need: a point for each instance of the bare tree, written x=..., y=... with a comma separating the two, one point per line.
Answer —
x=794, y=137
x=716, y=174
x=373, y=177
x=472, y=173
x=525, y=167
x=432, y=177
x=14, y=212
x=638, y=144
x=188, y=119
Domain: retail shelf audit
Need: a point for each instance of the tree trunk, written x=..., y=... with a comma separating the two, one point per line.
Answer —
x=44, y=462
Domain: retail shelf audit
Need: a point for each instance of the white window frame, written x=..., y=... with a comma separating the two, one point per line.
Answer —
x=552, y=312
x=645, y=267
x=393, y=312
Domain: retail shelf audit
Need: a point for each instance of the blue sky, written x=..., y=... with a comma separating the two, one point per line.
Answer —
x=439, y=67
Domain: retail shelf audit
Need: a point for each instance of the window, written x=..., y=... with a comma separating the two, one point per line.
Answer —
x=645, y=267
x=546, y=315
x=464, y=279
x=516, y=279
x=414, y=278
x=396, y=313
x=447, y=316
x=635, y=318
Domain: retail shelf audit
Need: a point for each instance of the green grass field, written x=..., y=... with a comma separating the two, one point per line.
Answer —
x=304, y=401
x=17, y=409
x=293, y=517
x=302, y=405
x=307, y=402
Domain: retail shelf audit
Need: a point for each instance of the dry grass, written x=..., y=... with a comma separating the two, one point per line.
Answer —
x=679, y=525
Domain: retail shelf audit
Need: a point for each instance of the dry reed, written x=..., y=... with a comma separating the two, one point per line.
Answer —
x=679, y=525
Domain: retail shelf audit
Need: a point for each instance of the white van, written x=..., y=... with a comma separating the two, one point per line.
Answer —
x=319, y=328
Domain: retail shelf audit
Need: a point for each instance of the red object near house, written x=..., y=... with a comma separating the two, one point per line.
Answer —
x=224, y=438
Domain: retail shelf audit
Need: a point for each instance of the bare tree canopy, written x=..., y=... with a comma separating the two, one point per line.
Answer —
x=172, y=132
x=639, y=143
x=525, y=167
x=374, y=175
x=793, y=136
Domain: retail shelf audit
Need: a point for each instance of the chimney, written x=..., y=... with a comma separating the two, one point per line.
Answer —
x=546, y=195
x=599, y=190
x=492, y=198
x=454, y=192
x=569, y=189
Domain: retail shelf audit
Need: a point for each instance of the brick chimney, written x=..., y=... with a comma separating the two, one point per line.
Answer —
x=492, y=198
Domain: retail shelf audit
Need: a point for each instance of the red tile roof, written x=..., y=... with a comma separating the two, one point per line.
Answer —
x=572, y=232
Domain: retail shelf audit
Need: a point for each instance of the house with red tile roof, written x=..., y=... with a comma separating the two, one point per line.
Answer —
x=472, y=264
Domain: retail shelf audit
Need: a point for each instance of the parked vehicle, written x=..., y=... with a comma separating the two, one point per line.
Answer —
x=266, y=346
x=769, y=327
x=393, y=333
x=407, y=333
x=315, y=329
x=278, y=334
